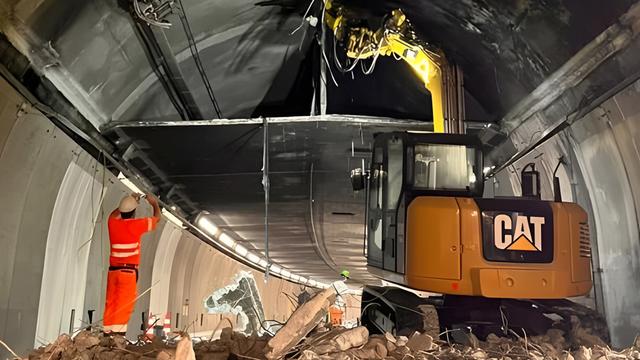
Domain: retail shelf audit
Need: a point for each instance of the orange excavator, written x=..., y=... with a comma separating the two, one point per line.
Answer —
x=429, y=229
x=462, y=260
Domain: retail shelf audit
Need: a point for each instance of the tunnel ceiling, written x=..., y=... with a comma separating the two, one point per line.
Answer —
x=259, y=65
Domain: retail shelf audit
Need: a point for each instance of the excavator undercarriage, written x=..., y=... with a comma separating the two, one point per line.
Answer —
x=400, y=312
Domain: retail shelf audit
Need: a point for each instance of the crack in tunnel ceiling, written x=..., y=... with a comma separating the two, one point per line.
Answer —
x=257, y=67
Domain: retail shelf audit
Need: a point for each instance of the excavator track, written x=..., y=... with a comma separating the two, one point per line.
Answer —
x=400, y=312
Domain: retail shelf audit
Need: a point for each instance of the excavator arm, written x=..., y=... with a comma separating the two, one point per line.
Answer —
x=394, y=38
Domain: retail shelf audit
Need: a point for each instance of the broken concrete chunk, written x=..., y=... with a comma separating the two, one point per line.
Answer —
x=120, y=342
x=63, y=341
x=165, y=355
x=85, y=340
x=342, y=341
x=430, y=320
x=309, y=355
x=390, y=337
x=478, y=354
x=401, y=341
x=184, y=349
x=420, y=342
x=225, y=334
x=401, y=352
x=582, y=353
x=375, y=348
x=566, y=356
x=391, y=347
x=535, y=355
x=305, y=318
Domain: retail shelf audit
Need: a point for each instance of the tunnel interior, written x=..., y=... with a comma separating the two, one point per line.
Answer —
x=234, y=95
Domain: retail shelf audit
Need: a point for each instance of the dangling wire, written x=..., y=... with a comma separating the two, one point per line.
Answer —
x=326, y=60
x=304, y=18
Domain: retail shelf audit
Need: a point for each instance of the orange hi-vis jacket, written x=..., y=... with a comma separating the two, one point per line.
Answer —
x=124, y=235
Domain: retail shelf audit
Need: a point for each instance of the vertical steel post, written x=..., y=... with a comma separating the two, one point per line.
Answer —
x=266, y=186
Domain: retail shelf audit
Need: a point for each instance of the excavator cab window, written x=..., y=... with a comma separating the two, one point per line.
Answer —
x=444, y=167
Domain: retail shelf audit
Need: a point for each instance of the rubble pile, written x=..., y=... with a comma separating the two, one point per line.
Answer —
x=423, y=347
x=304, y=337
x=322, y=343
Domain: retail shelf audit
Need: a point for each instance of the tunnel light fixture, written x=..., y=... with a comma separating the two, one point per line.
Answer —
x=172, y=218
x=218, y=235
x=275, y=269
x=227, y=240
x=253, y=258
x=131, y=186
x=207, y=226
x=241, y=250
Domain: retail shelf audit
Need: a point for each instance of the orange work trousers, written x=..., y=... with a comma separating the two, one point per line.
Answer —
x=121, y=299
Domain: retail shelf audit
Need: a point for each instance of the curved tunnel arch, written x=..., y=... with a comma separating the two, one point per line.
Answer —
x=602, y=148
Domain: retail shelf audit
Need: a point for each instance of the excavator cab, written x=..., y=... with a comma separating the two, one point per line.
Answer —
x=407, y=165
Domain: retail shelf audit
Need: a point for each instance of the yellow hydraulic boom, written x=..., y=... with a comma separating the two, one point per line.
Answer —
x=394, y=38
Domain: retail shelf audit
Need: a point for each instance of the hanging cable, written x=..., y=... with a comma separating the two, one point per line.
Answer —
x=326, y=60
x=339, y=66
x=196, y=58
x=304, y=18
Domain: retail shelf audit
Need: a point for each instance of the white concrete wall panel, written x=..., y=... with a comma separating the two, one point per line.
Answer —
x=34, y=159
x=67, y=253
x=626, y=129
x=616, y=223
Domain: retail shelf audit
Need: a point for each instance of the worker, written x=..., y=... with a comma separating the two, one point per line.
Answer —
x=345, y=275
x=124, y=235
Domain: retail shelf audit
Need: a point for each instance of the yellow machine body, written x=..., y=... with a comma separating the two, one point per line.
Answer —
x=444, y=254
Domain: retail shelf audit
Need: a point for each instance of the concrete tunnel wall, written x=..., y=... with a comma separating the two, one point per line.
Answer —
x=56, y=199
x=602, y=175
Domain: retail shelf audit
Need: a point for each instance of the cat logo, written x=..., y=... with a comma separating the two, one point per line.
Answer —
x=526, y=235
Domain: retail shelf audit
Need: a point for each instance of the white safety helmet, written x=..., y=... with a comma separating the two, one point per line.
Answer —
x=128, y=204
